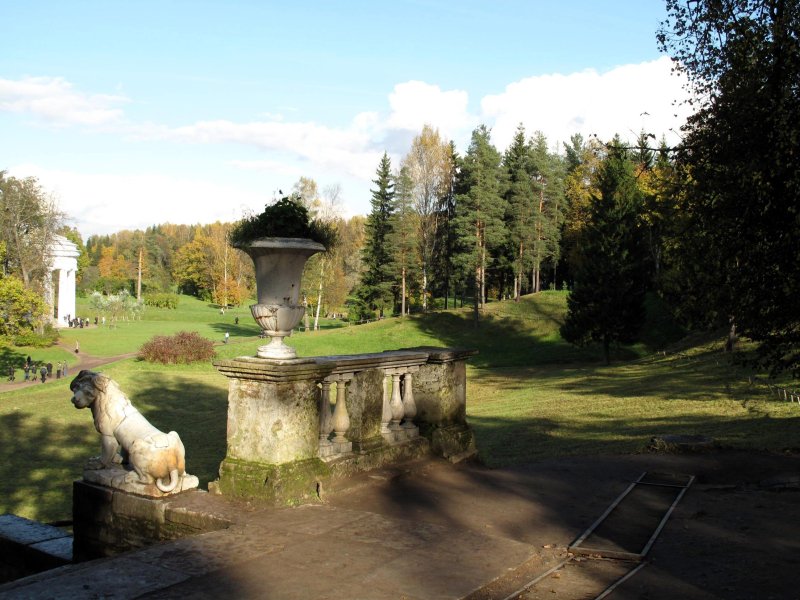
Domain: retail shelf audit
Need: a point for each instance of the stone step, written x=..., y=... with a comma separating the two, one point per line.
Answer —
x=28, y=547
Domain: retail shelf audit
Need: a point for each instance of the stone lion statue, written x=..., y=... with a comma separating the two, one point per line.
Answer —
x=127, y=438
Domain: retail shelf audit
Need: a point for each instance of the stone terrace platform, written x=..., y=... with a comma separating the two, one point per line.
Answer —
x=433, y=530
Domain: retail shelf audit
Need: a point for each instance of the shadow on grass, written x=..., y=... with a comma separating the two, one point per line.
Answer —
x=39, y=459
x=708, y=376
x=198, y=412
x=527, y=333
x=502, y=341
x=504, y=441
x=10, y=357
x=243, y=329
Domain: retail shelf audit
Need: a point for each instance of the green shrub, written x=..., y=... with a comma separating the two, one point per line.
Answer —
x=38, y=340
x=286, y=218
x=162, y=300
x=113, y=285
x=182, y=348
x=358, y=311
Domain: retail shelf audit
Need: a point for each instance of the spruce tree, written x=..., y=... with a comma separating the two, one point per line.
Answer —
x=376, y=284
x=446, y=235
x=606, y=304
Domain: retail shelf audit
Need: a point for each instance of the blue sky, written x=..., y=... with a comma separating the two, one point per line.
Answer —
x=133, y=114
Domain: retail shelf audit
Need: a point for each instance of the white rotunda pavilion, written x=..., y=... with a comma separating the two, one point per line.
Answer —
x=61, y=296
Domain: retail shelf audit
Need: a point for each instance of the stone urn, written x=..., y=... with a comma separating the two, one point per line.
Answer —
x=279, y=266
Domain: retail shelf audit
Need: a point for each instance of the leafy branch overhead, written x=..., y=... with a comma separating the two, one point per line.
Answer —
x=286, y=218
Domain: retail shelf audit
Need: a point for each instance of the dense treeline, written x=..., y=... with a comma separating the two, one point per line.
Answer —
x=738, y=194
x=710, y=225
x=445, y=227
x=198, y=260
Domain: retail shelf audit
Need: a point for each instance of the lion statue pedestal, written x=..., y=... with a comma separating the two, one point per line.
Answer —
x=136, y=457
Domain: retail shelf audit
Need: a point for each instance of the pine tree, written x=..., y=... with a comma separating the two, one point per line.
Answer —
x=480, y=208
x=403, y=239
x=607, y=302
x=519, y=215
x=548, y=214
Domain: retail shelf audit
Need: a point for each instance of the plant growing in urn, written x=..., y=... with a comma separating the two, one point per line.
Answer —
x=280, y=240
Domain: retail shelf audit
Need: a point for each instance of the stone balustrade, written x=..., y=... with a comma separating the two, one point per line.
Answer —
x=285, y=431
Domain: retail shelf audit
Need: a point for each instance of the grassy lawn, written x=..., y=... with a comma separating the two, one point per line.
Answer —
x=530, y=395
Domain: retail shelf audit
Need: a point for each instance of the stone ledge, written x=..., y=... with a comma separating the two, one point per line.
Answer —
x=438, y=355
x=348, y=363
x=28, y=547
x=117, y=479
x=272, y=370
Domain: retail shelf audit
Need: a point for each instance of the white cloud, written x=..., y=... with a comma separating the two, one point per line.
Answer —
x=623, y=100
x=275, y=167
x=103, y=203
x=416, y=103
x=54, y=100
x=347, y=150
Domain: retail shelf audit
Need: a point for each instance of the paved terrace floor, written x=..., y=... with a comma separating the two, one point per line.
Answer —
x=443, y=531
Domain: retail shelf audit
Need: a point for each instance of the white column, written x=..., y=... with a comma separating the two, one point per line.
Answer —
x=68, y=292
x=62, y=286
x=49, y=294
x=63, y=256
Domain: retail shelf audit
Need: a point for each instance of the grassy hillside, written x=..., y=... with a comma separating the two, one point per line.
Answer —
x=530, y=395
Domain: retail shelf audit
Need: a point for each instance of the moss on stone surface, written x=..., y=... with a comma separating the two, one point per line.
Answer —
x=286, y=484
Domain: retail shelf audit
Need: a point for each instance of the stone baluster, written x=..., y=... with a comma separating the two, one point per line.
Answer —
x=396, y=403
x=386, y=414
x=325, y=420
x=341, y=420
x=409, y=407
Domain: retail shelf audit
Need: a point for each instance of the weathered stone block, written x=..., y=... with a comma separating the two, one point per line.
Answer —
x=440, y=393
x=455, y=441
x=284, y=484
x=137, y=508
x=107, y=522
x=91, y=503
x=273, y=422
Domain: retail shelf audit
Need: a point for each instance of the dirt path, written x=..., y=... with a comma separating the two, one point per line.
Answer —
x=85, y=361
